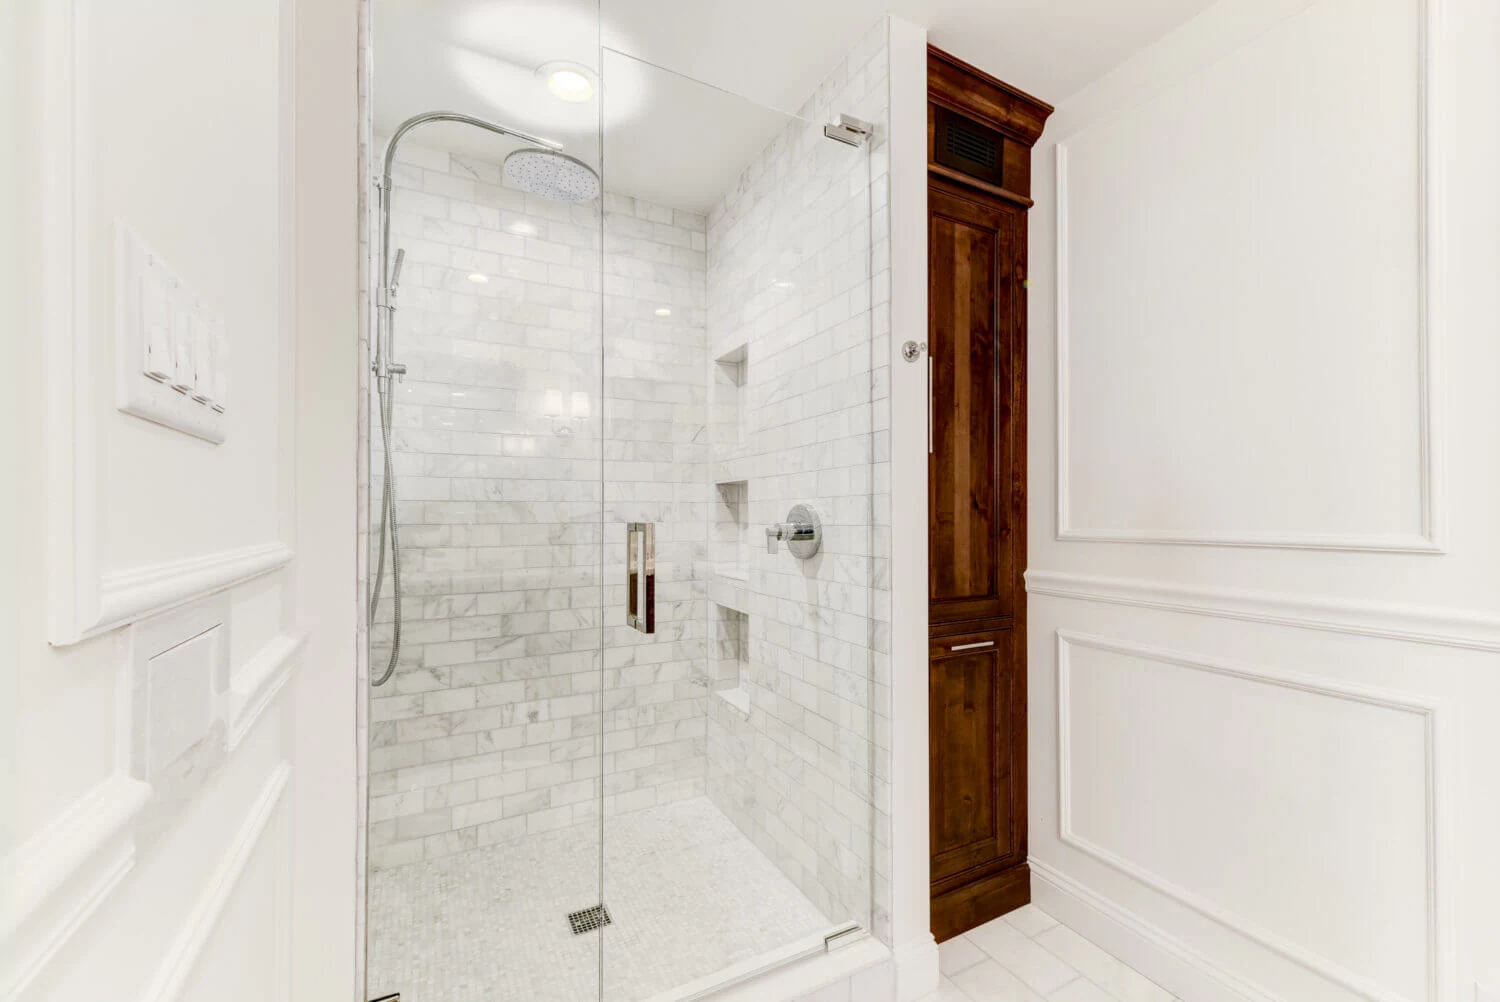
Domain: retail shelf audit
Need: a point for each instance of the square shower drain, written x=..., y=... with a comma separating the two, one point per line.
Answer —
x=589, y=919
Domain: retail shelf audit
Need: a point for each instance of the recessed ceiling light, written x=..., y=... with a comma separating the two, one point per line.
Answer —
x=662, y=311
x=567, y=81
x=523, y=228
x=477, y=277
x=783, y=284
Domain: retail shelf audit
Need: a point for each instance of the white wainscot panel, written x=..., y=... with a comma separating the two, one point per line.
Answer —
x=1296, y=812
x=235, y=943
x=1243, y=264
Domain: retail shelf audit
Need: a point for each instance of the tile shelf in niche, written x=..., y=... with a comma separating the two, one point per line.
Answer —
x=738, y=699
x=728, y=590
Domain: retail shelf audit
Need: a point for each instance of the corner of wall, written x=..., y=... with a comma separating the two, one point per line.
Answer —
x=911, y=936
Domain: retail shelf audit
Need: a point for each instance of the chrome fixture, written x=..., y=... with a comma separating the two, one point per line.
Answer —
x=554, y=176
x=640, y=576
x=547, y=172
x=849, y=130
x=802, y=532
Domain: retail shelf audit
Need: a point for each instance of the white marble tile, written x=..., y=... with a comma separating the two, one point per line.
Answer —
x=988, y=981
x=958, y=953
x=1081, y=990
x=1041, y=970
x=1119, y=981
x=947, y=991
x=687, y=893
x=1030, y=919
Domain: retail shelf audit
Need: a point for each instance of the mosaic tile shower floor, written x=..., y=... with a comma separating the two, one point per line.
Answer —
x=687, y=893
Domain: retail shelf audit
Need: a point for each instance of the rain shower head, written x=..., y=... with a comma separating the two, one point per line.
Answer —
x=554, y=176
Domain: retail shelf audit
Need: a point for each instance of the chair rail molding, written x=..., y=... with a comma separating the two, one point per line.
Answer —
x=254, y=686
x=1437, y=809
x=1430, y=536
x=84, y=599
x=1418, y=624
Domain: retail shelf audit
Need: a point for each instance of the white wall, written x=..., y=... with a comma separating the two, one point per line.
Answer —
x=1263, y=635
x=147, y=849
x=907, y=859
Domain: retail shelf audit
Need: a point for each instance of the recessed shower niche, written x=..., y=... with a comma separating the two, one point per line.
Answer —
x=729, y=405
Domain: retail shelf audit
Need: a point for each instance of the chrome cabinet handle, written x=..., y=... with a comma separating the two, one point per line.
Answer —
x=972, y=647
x=640, y=576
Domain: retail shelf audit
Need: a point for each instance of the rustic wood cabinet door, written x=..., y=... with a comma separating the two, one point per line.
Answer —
x=976, y=541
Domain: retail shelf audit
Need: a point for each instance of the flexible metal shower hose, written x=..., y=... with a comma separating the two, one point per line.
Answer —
x=388, y=523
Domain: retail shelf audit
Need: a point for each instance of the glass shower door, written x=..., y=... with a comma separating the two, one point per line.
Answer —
x=739, y=639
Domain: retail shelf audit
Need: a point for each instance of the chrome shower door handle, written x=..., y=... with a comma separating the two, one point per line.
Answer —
x=640, y=576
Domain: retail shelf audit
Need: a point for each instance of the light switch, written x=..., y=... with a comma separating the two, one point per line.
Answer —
x=182, y=342
x=221, y=368
x=157, y=363
x=169, y=362
x=202, y=358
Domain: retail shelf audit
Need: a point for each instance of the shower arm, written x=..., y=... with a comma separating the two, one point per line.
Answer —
x=385, y=302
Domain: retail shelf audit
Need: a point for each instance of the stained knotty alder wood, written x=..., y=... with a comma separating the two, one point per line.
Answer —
x=974, y=248
x=977, y=502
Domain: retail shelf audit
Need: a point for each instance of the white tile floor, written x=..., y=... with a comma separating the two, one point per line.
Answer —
x=1028, y=956
x=688, y=895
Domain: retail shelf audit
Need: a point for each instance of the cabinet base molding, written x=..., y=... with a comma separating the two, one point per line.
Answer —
x=976, y=903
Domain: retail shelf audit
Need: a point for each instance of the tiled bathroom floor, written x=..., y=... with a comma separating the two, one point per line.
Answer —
x=688, y=895
x=1028, y=956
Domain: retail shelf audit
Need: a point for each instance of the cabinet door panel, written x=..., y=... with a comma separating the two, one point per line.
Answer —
x=972, y=328
x=976, y=799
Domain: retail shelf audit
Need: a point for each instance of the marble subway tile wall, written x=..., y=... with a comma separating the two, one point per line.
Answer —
x=656, y=444
x=491, y=727
x=797, y=751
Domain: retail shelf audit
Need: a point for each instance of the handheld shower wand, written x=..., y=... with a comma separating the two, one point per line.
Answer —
x=542, y=170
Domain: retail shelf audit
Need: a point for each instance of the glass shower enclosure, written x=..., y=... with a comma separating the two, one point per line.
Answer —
x=626, y=748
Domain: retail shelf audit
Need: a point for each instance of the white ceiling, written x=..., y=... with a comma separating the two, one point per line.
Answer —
x=674, y=140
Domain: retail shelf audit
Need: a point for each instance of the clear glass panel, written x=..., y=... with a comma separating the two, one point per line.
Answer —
x=485, y=743
x=738, y=382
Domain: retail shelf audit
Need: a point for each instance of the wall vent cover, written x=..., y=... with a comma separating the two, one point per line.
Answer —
x=967, y=146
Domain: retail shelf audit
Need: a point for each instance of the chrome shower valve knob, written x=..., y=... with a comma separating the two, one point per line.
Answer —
x=802, y=532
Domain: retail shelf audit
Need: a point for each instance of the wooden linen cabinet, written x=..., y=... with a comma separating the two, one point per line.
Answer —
x=979, y=138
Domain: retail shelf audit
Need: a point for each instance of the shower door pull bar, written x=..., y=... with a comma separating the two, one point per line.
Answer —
x=640, y=576
x=930, y=404
x=972, y=647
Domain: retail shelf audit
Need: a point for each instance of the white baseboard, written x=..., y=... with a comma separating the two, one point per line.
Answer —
x=916, y=969
x=1154, y=952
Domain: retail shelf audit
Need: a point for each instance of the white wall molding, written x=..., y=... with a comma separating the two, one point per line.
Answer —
x=255, y=685
x=1385, y=620
x=1428, y=537
x=1055, y=891
x=1437, y=924
x=59, y=877
x=128, y=596
x=85, y=599
x=182, y=956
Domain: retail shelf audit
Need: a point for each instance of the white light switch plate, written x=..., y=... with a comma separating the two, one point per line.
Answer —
x=171, y=355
